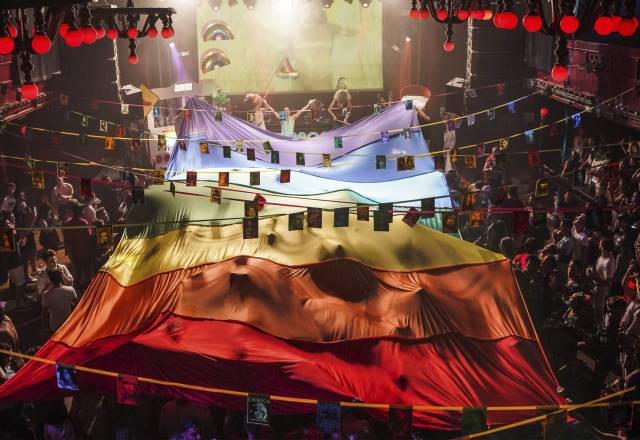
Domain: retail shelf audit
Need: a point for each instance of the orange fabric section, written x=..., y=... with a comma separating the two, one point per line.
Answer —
x=325, y=302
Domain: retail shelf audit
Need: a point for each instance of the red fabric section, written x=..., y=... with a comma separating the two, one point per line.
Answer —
x=446, y=370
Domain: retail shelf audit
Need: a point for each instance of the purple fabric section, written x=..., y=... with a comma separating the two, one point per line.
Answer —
x=201, y=125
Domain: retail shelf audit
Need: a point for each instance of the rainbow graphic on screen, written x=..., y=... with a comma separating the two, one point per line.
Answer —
x=213, y=58
x=286, y=70
x=216, y=30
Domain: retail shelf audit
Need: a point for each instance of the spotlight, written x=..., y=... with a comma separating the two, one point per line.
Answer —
x=250, y=4
x=215, y=4
x=172, y=44
x=408, y=39
x=327, y=3
x=364, y=3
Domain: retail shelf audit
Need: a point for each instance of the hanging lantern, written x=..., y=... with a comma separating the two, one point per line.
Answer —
x=40, y=43
x=6, y=45
x=29, y=91
x=448, y=46
x=532, y=23
x=569, y=24
x=559, y=73
x=603, y=25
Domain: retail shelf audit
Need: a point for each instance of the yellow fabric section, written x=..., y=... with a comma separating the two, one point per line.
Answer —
x=402, y=249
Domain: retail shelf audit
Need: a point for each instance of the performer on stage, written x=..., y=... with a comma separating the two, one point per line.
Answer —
x=341, y=102
x=287, y=124
x=259, y=106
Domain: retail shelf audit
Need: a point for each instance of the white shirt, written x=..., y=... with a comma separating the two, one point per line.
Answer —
x=60, y=302
x=65, y=189
x=606, y=267
x=89, y=214
x=8, y=203
x=44, y=281
x=581, y=245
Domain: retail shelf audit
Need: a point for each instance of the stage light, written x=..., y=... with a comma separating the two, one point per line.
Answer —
x=215, y=4
x=250, y=4
x=172, y=44
x=327, y=3
x=408, y=39
x=364, y=3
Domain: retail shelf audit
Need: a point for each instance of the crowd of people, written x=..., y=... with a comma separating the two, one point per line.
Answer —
x=574, y=243
x=572, y=235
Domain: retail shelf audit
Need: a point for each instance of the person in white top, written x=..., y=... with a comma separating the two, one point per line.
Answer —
x=581, y=239
x=62, y=191
x=58, y=301
x=9, y=201
x=259, y=105
x=602, y=275
x=287, y=125
x=51, y=260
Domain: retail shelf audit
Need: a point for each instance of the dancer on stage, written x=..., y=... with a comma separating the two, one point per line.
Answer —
x=259, y=105
x=341, y=102
x=288, y=120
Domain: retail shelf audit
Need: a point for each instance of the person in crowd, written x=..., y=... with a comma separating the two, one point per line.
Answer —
x=581, y=239
x=125, y=205
x=90, y=209
x=602, y=276
x=9, y=200
x=287, y=125
x=13, y=261
x=258, y=106
x=25, y=216
x=79, y=248
x=341, y=103
x=48, y=238
x=62, y=191
x=175, y=413
x=508, y=248
x=50, y=258
x=8, y=332
x=58, y=301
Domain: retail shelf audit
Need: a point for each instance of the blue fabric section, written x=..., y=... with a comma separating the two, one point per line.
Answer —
x=360, y=167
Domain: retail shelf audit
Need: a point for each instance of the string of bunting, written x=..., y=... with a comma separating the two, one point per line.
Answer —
x=500, y=88
x=473, y=421
x=480, y=152
x=120, y=136
x=380, y=159
x=382, y=217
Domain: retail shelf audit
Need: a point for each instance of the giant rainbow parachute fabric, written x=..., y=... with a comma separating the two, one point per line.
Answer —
x=408, y=317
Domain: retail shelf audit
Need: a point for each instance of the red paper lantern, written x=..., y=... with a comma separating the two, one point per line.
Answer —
x=532, y=23
x=616, y=19
x=497, y=20
x=628, y=26
x=544, y=112
x=133, y=59
x=569, y=24
x=40, y=43
x=29, y=91
x=463, y=14
x=100, y=32
x=152, y=32
x=603, y=25
x=559, y=73
x=424, y=13
x=448, y=46
x=132, y=33
x=6, y=45
x=413, y=14
x=442, y=14
x=13, y=31
x=477, y=14
x=509, y=20
x=89, y=35
x=112, y=34
x=74, y=38
x=64, y=28
x=166, y=32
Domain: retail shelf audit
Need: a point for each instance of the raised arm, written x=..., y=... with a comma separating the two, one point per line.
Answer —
x=299, y=112
x=335, y=118
x=275, y=113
